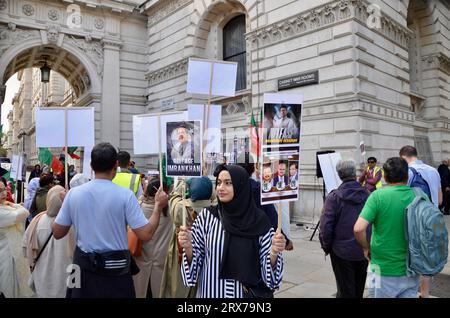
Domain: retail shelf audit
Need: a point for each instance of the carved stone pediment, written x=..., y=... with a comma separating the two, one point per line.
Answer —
x=92, y=48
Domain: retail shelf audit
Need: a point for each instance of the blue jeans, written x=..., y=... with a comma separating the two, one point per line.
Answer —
x=392, y=286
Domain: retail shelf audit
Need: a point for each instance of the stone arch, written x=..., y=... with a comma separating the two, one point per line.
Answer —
x=210, y=21
x=66, y=58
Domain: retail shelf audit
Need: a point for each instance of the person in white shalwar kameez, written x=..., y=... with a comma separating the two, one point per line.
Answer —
x=49, y=277
x=14, y=270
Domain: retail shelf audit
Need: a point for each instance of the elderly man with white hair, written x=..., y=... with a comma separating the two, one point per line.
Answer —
x=339, y=214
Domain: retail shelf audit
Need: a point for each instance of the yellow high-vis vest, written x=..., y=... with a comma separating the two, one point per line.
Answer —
x=375, y=171
x=128, y=180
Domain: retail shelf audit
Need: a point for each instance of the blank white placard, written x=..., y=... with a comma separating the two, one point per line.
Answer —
x=142, y=142
x=49, y=128
x=328, y=164
x=80, y=130
x=87, y=171
x=224, y=79
x=199, y=77
x=16, y=166
x=145, y=132
x=213, y=134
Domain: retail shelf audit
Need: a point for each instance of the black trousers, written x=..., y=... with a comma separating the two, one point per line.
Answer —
x=445, y=206
x=94, y=285
x=350, y=277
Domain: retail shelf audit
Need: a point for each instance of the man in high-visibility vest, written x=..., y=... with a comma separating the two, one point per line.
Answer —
x=371, y=177
x=124, y=177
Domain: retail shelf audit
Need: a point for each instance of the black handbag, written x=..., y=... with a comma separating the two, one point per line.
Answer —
x=258, y=291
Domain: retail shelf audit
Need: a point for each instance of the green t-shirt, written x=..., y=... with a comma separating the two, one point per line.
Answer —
x=385, y=209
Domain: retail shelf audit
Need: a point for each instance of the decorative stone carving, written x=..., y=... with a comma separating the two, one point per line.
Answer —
x=112, y=43
x=99, y=23
x=324, y=16
x=232, y=109
x=52, y=33
x=3, y=4
x=10, y=35
x=86, y=80
x=344, y=10
x=28, y=9
x=166, y=73
x=328, y=15
x=93, y=49
x=166, y=7
x=314, y=20
x=53, y=14
x=439, y=61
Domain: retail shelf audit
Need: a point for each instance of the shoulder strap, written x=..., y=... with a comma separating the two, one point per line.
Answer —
x=133, y=179
x=42, y=249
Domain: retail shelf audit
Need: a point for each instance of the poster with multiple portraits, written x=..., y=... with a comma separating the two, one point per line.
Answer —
x=281, y=148
x=184, y=149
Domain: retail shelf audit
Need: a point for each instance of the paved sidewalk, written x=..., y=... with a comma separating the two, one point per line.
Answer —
x=307, y=274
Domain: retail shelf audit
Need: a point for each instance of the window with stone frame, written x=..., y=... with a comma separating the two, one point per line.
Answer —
x=234, y=48
x=423, y=147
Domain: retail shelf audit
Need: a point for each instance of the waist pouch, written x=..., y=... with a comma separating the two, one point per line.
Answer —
x=113, y=263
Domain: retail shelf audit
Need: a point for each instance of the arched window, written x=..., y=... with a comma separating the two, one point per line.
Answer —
x=234, y=48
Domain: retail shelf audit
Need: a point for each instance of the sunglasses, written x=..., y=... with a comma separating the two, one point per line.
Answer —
x=371, y=161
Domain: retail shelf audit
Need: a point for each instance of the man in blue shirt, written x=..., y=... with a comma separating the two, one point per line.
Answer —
x=432, y=178
x=100, y=212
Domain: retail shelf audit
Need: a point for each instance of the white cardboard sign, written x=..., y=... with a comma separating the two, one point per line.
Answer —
x=50, y=130
x=328, y=164
x=50, y=127
x=16, y=166
x=145, y=132
x=213, y=132
x=223, y=79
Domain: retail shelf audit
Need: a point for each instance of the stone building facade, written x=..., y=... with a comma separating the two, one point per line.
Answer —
x=383, y=67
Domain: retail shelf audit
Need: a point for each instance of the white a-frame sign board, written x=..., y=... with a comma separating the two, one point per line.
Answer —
x=67, y=127
x=212, y=78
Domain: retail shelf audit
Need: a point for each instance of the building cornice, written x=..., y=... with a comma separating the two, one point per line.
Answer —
x=439, y=60
x=325, y=16
x=169, y=72
x=159, y=9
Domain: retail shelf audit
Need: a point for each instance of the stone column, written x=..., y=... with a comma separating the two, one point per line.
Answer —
x=110, y=111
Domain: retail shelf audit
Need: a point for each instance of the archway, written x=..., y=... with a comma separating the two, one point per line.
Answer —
x=79, y=61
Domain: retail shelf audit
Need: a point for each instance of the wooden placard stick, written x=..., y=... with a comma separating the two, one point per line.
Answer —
x=184, y=203
x=66, y=173
x=280, y=215
x=160, y=153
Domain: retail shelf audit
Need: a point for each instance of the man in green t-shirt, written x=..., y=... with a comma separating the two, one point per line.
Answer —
x=385, y=210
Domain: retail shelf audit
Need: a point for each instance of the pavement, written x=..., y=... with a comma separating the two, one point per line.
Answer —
x=308, y=274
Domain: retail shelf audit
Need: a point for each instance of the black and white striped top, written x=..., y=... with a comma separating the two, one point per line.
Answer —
x=207, y=251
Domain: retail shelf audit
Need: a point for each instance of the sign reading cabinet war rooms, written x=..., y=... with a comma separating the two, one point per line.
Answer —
x=297, y=80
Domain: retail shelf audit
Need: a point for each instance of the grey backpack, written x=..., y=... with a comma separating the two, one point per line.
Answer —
x=426, y=235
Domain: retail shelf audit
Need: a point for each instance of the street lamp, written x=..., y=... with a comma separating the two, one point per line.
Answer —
x=45, y=73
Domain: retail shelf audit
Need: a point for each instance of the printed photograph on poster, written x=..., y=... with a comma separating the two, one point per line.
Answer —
x=184, y=149
x=281, y=125
x=279, y=178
